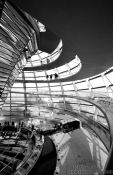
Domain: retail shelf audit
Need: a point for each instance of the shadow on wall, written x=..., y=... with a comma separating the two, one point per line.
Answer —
x=98, y=151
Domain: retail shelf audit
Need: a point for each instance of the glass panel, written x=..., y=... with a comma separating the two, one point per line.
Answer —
x=40, y=74
x=43, y=54
x=63, y=83
x=31, y=89
x=17, y=90
x=100, y=90
x=106, y=81
x=56, y=92
x=43, y=89
x=17, y=85
x=72, y=64
x=69, y=93
x=55, y=55
x=68, y=87
x=110, y=76
x=81, y=85
x=28, y=64
x=35, y=63
x=29, y=78
x=52, y=71
x=75, y=70
x=97, y=82
x=42, y=84
x=64, y=74
x=87, y=108
x=28, y=74
x=54, y=84
x=35, y=58
x=30, y=85
x=71, y=100
x=62, y=68
x=57, y=88
x=41, y=78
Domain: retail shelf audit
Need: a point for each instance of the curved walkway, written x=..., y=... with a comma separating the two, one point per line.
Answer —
x=80, y=153
x=46, y=163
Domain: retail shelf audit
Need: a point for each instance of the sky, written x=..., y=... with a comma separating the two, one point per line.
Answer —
x=85, y=27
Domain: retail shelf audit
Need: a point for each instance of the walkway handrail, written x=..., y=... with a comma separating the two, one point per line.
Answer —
x=31, y=159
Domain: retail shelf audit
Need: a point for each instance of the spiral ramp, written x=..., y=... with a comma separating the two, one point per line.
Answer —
x=31, y=92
